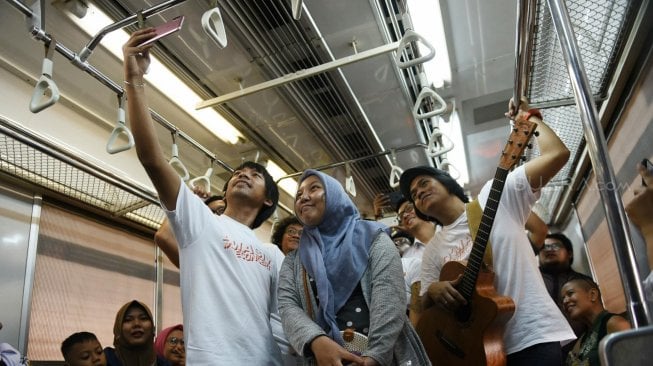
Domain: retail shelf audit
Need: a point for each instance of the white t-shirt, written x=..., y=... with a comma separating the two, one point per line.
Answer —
x=411, y=268
x=415, y=251
x=537, y=319
x=228, y=287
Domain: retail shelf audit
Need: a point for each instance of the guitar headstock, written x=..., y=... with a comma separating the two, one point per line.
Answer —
x=517, y=141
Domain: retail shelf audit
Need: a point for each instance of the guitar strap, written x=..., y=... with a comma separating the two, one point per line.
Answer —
x=474, y=214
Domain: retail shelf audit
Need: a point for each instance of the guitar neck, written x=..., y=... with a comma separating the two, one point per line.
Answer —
x=475, y=261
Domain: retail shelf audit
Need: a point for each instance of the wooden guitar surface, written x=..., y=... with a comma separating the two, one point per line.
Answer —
x=478, y=340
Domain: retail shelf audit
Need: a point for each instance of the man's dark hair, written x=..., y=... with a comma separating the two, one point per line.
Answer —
x=271, y=192
x=566, y=242
x=586, y=282
x=441, y=176
x=74, y=339
x=280, y=229
x=213, y=199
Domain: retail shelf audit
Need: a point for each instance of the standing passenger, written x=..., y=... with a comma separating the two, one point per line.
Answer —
x=228, y=280
x=345, y=274
x=529, y=338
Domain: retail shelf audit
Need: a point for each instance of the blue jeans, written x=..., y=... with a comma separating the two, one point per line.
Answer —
x=543, y=354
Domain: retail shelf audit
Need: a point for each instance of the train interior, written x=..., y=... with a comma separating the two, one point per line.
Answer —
x=361, y=90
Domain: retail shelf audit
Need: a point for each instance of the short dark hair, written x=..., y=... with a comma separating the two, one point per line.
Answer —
x=280, y=229
x=213, y=199
x=74, y=339
x=441, y=176
x=586, y=282
x=271, y=192
x=566, y=242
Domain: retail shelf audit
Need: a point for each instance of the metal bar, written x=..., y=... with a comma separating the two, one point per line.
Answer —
x=525, y=23
x=371, y=156
x=41, y=144
x=564, y=102
x=301, y=74
x=30, y=268
x=172, y=128
x=21, y=7
x=605, y=177
x=88, y=49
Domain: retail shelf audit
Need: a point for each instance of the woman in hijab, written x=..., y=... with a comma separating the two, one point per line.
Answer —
x=346, y=274
x=133, y=338
x=169, y=344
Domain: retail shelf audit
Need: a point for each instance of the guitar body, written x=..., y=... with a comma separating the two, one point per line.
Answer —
x=472, y=338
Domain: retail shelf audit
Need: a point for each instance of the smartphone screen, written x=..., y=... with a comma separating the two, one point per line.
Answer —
x=648, y=167
x=165, y=29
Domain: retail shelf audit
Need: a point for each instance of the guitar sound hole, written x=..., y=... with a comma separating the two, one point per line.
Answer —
x=463, y=313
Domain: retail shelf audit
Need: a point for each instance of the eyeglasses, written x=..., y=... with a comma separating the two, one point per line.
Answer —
x=291, y=231
x=219, y=210
x=175, y=341
x=408, y=209
x=552, y=246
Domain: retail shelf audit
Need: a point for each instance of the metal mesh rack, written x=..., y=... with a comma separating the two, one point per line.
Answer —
x=32, y=158
x=601, y=28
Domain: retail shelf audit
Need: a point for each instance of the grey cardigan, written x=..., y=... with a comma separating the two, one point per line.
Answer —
x=392, y=339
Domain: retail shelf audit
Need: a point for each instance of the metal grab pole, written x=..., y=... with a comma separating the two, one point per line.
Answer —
x=525, y=25
x=598, y=152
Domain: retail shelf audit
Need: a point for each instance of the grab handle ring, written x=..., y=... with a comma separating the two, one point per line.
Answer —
x=120, y=129
x=46, y=92
x=412, y=36
x=426, y=93
x=213, y=25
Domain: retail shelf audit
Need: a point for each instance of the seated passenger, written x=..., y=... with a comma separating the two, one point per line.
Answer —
x=133, y=338
x=346, y=274
x=83, y=349
x=169, y=344
x=582, y=301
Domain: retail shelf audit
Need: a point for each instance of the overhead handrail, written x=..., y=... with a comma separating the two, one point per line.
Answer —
x=523, y=46
x=296, y=6
x=203, y=181
x=120, y=129
x=435, y=146
x=349, y=181
x=412, y=36
x=175, y=162
x=213, y=25
x=46, y=92
x=395, y=171
x=351, y=161
x=85, y=53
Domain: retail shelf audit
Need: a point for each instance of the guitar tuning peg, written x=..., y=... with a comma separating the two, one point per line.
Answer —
x=522, y=158
x=536, y=133
x=530, y=146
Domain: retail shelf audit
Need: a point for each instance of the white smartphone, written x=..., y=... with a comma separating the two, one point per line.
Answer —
x=165, y=29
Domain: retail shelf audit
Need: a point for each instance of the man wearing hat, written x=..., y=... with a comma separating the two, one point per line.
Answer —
x=528, y=336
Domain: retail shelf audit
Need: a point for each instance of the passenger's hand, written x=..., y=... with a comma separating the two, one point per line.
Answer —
x=137, y=58
x=640, y=208
x=445, y=295
x=329, y=353
x=201, y=193
x=523, y=107
x=380, y=201
x=369, y=361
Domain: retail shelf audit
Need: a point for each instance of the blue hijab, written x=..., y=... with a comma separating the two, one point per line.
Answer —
x=336, y=251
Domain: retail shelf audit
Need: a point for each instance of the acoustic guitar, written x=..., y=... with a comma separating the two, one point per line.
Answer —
x=473, y=334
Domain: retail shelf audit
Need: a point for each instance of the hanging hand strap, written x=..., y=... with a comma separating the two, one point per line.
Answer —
x=412, y=36
x=175, y=162
x=349, y=181
x=395, y=172
x=120, y=129
x=427, y=92
x=435, y=146
x=203, y=181
x=46, y=92
x=213, y=25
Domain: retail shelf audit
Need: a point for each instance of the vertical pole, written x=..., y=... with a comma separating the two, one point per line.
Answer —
x=605, y=178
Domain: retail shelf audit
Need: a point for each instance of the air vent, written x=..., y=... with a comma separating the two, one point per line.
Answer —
x=490, y=112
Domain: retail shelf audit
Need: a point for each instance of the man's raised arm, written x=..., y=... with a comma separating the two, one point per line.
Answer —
x=553, y=152
x=136, y=61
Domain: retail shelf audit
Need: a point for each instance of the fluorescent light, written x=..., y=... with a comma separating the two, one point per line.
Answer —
x=289, y=185
x=160, y=77
x=426, y=18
